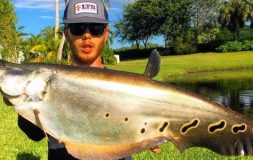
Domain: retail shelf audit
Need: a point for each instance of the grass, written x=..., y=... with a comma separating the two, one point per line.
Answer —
x=202, y=62
x=15, y=145
x=212, y=76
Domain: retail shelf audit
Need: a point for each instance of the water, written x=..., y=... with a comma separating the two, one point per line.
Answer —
x=235, y=92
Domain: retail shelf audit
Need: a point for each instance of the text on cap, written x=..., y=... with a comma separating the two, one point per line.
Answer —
x=86, y=8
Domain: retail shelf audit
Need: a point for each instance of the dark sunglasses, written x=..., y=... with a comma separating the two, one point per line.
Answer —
x=95, y=29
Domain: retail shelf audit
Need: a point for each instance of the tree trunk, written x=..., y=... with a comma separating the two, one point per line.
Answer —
x=56, y=29
x=196, y=35
x=145, y=43
x=137, y=44
x=59, y=53
x=237, y=29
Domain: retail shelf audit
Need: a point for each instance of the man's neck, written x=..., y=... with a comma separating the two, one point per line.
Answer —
x=97, y=63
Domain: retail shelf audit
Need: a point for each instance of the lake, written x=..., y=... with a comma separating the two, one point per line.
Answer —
x=232, y=89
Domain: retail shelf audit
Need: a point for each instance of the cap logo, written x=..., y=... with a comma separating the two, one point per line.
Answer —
x=86, y=8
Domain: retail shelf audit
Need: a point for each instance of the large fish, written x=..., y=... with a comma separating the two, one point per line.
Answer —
x=105, y=114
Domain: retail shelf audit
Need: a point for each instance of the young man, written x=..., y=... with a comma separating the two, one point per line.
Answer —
x=86, y=30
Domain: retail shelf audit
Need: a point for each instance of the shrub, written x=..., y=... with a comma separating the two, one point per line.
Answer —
x=248, y=45
x=234, y=46
x=108, y=55
x=185, y=48
x=185, y=44
x=224, y=35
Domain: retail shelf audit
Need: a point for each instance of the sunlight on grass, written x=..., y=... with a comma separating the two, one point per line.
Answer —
x=201, y=62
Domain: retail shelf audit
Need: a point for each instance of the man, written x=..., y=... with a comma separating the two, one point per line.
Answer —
x=86, y=30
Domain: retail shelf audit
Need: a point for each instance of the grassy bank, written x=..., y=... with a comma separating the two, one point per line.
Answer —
x=202, y=62
x=15, y=145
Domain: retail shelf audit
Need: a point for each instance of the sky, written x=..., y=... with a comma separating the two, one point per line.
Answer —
x=35, y=15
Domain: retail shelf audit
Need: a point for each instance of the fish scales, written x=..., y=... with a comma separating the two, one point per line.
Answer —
x=106, y=114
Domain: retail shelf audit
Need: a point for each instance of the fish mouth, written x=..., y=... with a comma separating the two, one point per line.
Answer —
x=7, y=102
x=7, y=98
x=7, y=95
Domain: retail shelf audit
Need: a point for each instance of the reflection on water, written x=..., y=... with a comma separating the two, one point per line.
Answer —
x=246, y=98
x=234, y=93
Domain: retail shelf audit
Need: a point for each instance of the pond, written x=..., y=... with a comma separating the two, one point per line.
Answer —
x=232, y=89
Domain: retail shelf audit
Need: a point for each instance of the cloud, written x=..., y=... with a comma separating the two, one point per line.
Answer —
x=114, y=9
x=50, y=4
x=120, y=1
x=37, y=4
x=47, y=17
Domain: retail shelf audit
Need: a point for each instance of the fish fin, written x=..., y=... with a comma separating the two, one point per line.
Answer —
x=153, y=65
x=103, y=152
x=224, y=143
x=38, y=122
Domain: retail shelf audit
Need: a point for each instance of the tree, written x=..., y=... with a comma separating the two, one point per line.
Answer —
x=56, y=28
x=137, y=22
x=176, y=19
x=251, y=13
x=42, y=45
x=60, y=49
x=204, y=17
x=234, y=14
x=8, y=32
x=124, y=32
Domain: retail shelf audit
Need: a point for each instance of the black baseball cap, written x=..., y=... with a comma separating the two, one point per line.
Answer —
x=85, y=11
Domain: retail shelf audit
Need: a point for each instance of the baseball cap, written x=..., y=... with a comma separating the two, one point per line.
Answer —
x=85, y=11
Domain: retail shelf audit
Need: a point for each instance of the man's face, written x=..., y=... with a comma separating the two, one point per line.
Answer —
x=86, y=41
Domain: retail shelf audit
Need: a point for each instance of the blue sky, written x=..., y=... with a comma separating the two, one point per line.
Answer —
x=35, y=15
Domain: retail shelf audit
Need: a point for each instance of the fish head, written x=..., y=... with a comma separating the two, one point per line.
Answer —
x=13, y=81
x=19, y=85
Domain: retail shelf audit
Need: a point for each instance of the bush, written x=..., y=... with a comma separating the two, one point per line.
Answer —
x=224, y=35
x=246, y=33
x=185, y=48
x=133, y=53
x=210, y=46
x=234, y=46
x=108, y=55
x=248, y=45
x=185, y=44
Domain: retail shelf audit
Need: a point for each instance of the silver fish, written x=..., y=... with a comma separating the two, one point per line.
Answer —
x=106, y=114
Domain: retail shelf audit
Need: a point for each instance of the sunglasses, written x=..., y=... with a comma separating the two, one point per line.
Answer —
x=96, y=29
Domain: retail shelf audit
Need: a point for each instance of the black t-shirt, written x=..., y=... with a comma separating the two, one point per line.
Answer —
x=55, y=150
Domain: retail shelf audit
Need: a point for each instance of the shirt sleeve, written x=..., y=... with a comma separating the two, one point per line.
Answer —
x=31, y=130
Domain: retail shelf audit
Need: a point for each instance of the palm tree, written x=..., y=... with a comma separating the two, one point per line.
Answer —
x=59, y=53
x=47, y=32
x=233, y=15
x=56, y=20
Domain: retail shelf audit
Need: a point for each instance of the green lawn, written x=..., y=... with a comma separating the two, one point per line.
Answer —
x=202, y=62
x=15, y=145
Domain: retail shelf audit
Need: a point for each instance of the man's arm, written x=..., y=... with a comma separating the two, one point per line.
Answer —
x=31, y=130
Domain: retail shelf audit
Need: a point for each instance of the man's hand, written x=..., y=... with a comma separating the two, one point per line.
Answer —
x=156, y=149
